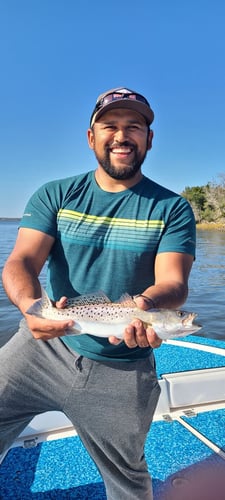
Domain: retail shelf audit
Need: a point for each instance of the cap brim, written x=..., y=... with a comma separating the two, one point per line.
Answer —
x=137, y=106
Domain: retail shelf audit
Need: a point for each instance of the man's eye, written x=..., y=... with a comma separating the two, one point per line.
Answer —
x=134, y=127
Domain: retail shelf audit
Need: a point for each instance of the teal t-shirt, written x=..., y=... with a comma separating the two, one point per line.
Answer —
x=107, y=241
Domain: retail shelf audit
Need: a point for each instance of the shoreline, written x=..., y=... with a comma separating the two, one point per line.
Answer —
x=10, y=219
x=219, y=226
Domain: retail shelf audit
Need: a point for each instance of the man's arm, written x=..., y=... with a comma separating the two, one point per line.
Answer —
x=172, y=271
x=21, y=283
x=170, y=291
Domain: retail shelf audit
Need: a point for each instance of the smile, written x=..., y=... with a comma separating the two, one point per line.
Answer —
x=121, y=148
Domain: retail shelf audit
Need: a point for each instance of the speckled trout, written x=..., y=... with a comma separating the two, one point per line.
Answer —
x=96, y=315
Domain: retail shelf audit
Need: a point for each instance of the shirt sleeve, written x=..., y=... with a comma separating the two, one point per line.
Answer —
x=179, y=234
x=42, y=209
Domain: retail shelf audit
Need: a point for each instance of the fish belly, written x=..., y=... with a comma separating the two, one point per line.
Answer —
x=99, y=329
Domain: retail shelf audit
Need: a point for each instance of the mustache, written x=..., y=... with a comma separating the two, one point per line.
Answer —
x=119, y=144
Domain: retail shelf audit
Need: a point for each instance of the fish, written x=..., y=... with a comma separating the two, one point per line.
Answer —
x=94, y=314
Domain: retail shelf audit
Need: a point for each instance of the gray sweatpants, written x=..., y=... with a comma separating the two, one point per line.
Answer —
x=111, y=405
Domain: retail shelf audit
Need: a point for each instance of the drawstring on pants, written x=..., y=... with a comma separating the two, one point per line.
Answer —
x=78, y=363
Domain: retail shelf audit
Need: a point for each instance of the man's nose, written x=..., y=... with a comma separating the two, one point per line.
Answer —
x=120, y=135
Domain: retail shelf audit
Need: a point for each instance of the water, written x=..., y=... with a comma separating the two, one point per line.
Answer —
x=206, y=285
x=10, y=316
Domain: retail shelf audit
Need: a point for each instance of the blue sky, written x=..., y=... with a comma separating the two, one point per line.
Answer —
x=57, y=56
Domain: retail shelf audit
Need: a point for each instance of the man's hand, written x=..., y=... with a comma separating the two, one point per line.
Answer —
x=136, y=334
x=46, y=329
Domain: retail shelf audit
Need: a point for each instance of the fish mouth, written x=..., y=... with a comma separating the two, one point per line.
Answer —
x=189, y=322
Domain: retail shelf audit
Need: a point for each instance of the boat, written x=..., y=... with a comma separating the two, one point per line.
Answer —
x=185, y=447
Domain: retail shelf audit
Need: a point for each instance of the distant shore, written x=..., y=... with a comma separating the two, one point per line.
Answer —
x=8, y=219
x=219, y=226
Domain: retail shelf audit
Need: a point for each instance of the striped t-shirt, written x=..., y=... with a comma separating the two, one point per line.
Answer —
x=107, y=241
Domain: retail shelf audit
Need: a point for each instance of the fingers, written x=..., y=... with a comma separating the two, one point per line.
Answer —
x=61, y=303
x=153, y=339
x=43, y=329
x=136, y=335
x=114, y=340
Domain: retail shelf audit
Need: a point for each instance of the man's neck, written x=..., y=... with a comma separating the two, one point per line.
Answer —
x=111, y=185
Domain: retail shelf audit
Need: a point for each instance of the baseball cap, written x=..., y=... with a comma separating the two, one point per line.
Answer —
x=122, y=98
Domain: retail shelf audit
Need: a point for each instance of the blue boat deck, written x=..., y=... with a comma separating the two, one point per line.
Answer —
x=181, y=465
x=63, y=469
x=171, y=358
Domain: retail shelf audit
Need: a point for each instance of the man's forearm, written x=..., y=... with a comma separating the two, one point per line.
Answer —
x=167, y=295
x=21, y=283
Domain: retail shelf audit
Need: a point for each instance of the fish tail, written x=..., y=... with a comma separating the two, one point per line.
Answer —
x=40, y=304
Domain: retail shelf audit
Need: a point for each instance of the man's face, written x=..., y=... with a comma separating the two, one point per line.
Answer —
x=120, y=140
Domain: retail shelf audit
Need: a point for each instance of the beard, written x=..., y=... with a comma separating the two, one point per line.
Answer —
x=123, y=172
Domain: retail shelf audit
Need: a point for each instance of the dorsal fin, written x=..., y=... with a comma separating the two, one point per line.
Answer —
x=126, y=300
x=89, y=298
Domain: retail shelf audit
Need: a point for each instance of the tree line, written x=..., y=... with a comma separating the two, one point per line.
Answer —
x=208, y=202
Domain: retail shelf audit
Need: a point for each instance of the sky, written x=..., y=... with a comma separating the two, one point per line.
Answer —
x=57, y=56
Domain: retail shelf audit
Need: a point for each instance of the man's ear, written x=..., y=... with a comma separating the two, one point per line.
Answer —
x=90, y=138
x=150, y=138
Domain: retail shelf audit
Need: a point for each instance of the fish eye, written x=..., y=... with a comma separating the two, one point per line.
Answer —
x=180, y=314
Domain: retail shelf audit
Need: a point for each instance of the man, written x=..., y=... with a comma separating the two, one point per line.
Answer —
x=113, y=230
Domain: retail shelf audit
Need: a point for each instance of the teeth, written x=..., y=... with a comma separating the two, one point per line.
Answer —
x=121, y=150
